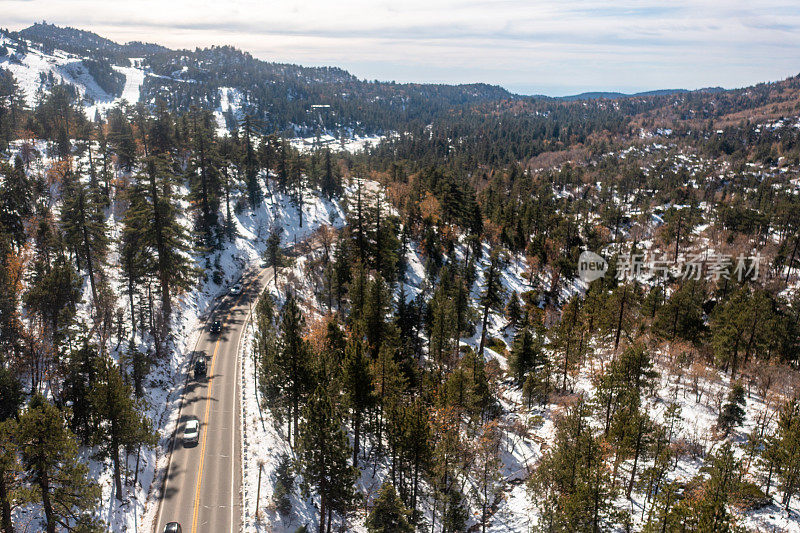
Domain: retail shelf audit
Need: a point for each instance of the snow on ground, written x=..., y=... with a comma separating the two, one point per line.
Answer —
x=526, y=431
x=262, y=443
x=230, y=104
x=252, y=229
x=347, y=144
x=134, y=78
x=166, y=378
x=31, y=67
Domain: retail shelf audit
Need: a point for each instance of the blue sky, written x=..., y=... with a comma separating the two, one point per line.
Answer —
x=553, y=47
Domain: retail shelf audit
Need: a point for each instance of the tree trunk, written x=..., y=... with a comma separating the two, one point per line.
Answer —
x=619, y=319
x=330, y=518
x=133, y=310
x=483, y=329
x=161, y=247
x=322, y=515
x=485, y=496
x=88, y=251
x=44, y=487
x=8, y=525
x=356, y=436
x=636, y=457
x=791, y=260
x=117, y=469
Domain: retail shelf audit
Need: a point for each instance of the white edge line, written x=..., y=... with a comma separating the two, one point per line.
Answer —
x=201, y=326
x=241, y=417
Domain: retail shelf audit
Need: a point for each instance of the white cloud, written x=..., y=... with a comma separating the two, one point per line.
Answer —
x=547, y=46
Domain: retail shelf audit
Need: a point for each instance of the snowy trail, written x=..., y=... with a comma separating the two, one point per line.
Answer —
x=134, y=78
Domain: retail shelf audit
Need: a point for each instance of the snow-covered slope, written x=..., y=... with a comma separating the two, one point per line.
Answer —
x=34, y=70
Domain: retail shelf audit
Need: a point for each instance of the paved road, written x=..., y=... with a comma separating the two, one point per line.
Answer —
x=203, y=482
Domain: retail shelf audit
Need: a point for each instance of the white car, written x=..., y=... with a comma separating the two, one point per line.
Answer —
x=236, y=289
x=191, y=431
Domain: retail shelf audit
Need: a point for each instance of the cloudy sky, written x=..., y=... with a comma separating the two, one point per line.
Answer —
x=553, y=47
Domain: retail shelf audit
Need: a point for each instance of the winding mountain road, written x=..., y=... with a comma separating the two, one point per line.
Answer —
x=202, y=486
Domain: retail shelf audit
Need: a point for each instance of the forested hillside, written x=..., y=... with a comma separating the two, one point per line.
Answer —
x=429, y=355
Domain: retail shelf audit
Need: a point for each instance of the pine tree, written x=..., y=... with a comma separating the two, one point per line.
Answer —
x=442, y=326
x=80, y=375
x=284, y=485
x=341, y=269
x=513, y=311
x=630, y=434
x=376, y=307
x=204, y=174
x=227, y=155
x=53, y=295
x=487, y=467
x=121, y=424
x=50, y=463
x=273, y=254
x=297, y=181
x=623, y=381
x=568, y=340
x=492, y=292
x=786, y=443
x=415, y=443
x=85, y=232
x=323, y=456
x=723, y=474
x=331, y=359
x=330, y=185
x=526, y=355
x=15, y=202
x=389, y=382
x=135, y=258
x=10, y=473
x=681, y=315
x=10, y=468
x=250, y=162
x=120, y=138
x=293, y=362
x=572, y=485
x=10, y=323
x=388, y=514
x=742, y=327
x=454, y=519
x=732, y=414
x=266, y=350
x=163, y=234
x=357, y=387
x=448, y=456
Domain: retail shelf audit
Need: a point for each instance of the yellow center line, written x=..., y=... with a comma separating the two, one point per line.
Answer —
x=205, y=424
x=205, y=435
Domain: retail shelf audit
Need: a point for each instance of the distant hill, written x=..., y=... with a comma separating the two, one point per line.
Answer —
x=615, y=95
x=84, y=43
x=277, y=96
x=304, y=101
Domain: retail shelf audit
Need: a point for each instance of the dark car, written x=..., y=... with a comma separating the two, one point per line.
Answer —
x=173, y=527
x=200, y=367
x=216, y=327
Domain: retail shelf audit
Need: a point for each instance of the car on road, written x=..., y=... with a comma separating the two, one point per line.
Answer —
x=236, y=289
x=216, y=327
x=173, y=527
x=200, y=367
x=191, y=431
